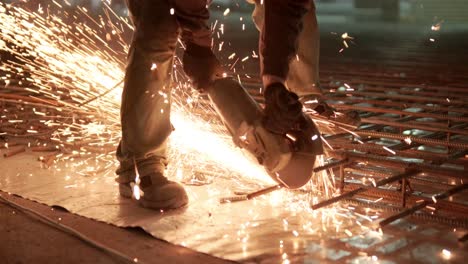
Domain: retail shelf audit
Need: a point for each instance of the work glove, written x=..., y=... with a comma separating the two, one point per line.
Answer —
x=283, y=110
x=201, y=65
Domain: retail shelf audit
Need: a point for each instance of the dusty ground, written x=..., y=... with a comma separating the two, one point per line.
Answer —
x=25, y=239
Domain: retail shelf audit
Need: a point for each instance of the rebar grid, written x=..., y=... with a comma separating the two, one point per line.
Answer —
x=416, y=134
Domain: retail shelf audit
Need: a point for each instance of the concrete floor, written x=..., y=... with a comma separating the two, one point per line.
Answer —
x=25, y=239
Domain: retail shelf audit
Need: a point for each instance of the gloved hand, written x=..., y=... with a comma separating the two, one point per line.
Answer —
x=201, y=65
x=283, y=110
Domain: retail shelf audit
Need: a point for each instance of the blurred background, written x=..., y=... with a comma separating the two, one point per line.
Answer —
x=431, y=34
x=401, y=11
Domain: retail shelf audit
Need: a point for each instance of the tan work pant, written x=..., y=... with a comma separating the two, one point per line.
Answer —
x=302, y=76
x=146, y=98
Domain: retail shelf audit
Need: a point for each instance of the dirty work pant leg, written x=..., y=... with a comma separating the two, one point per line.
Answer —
x=303, y=74
x=146, y=98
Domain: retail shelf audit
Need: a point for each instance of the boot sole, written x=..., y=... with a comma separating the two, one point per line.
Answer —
x=172, y=203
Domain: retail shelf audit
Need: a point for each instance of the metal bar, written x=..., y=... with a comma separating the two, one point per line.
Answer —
x=393, y=197
x=398, y=112
x=403, y=192
x=459, y=222
x=434, y=135
x=423, y=204
x=413, y=92
x=447, y=172
x=425, y=141
x=414, y=125
x=363, y=189
x=435, y=158
x=331, y=165
x=342, y=181
x=443, y=101
x=13, y=152
x=264, y=191
x=406, y=84
x=252, y=87
x=378, y=127
x=250, y=195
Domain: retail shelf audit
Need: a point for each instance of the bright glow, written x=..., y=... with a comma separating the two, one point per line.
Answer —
x=389, y=150
x=437, y=26
x=196, y=136
x=408, y=140
x=446, y=254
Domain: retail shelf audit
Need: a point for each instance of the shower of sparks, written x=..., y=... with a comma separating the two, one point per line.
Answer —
x=389, y=150
x=53, y=58
x=136, y=185
x=61, y=87
x=346, y=38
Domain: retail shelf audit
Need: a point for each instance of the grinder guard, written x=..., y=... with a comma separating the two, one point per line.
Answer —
x=288, y=160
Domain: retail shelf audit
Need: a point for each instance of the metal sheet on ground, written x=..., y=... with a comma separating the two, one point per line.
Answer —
x=236, y=231
x=276, y=227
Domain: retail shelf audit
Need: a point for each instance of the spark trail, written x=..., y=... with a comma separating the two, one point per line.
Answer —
x=60, y=87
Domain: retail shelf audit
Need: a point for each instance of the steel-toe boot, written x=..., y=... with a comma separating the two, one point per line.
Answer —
x=157, y=191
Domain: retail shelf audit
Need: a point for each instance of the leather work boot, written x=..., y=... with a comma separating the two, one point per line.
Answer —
x=158, y=192
x=328, y=120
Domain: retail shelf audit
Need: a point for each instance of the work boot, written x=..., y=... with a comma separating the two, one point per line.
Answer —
x=328, y=120
x=158, y=192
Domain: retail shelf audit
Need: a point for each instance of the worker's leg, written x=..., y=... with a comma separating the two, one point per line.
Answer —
x=146, y=101
x=279, y=36
x=199, y=62
x=280, y=24
x=303, y=72
x=303, y=76
x=146, y=98
x=193, y=18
